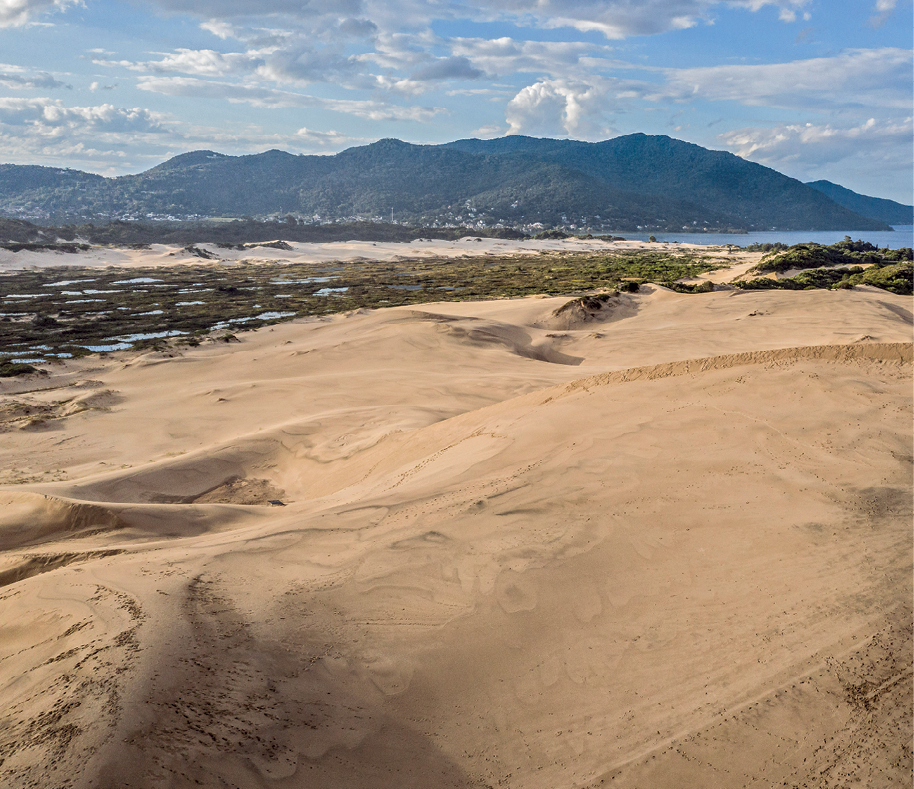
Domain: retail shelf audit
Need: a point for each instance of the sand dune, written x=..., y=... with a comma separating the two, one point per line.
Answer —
x=162, y=255
x=659, y=541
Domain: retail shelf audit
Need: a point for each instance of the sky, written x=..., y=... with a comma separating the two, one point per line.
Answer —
x=813, y=88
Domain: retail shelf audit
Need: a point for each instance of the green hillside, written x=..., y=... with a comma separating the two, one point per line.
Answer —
x=876, y=207
x=749, y=195
x=633, y=182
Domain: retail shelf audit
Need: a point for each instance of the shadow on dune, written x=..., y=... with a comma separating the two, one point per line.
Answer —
x=230, y=708
x=481, y=333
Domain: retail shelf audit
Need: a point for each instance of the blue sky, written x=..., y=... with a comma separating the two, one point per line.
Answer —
x=813, y=88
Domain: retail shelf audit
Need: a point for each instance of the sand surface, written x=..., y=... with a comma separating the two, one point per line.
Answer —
x=163, y=255
x=667, y=544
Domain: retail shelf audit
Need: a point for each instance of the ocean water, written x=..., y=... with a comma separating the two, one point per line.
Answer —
x=903, y=236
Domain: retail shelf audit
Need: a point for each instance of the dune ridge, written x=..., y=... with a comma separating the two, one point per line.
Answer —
x=896, y=352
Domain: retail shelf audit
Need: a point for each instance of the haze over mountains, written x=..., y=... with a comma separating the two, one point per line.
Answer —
x=634, y=182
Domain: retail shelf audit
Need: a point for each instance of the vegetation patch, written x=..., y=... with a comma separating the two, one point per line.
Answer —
x=10, y=369
x=692, y=287
x=589, y=304
x=69, y=248
x=58, y=313
x=843, y=253
x=897, y=278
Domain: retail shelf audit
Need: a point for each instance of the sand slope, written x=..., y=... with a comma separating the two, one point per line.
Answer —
x=662, y=544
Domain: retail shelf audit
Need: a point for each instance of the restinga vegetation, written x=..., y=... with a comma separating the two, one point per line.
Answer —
x=842, y=265
x=634, y=182
x=842, y=253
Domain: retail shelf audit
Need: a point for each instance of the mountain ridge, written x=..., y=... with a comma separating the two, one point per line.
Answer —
x=888, y=211
x=634, y=182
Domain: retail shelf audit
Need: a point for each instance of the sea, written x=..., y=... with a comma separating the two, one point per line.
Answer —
x=903, y=236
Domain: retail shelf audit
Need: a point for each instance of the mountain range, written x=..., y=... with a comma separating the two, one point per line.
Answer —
x=634, y=182
x=876, y=207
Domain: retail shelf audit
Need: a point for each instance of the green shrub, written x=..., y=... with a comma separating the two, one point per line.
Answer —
x=10, y=369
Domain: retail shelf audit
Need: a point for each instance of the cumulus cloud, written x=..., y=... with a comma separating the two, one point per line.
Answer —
x=57, y=152
x=556, y=108
x=14, y=13
x=817, y=144
x=93, y=137
x=115, y=153
x=296, y=61
x=866, y=157
x=51, y=118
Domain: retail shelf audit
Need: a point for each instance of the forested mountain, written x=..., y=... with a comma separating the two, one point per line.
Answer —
x=631, y=182
x=750, y=195
x=876, y=207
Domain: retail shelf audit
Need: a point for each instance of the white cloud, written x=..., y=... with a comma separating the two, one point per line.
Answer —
x=95, y=137
x=487, y=132
x=222, y=9
x=260, y=96
x=219, y=29
x=556, y=108
x=301, y=63
x=113, y=140
x=115, y=154
x=858, y=78
x=288, y=59
x=318, y=140
x=881, y=12
x=815, y=144
x=14, y=13
x=615, y=19
x=491, y=92
x=200, y=62
x=62, y=153
x=865, y=157
x=505, y=56
x=619, y=19
x=51, y=118
x=19, y=79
